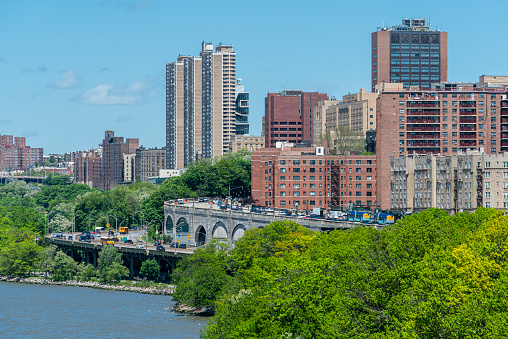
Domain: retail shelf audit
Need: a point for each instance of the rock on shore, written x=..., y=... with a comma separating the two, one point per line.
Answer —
x=199, y=311
x=144, y=290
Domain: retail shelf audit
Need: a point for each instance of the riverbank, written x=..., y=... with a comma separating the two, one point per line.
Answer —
x=92, y=284
x=197, y=311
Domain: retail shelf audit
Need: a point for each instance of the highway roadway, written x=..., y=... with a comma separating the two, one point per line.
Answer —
x=135, y=236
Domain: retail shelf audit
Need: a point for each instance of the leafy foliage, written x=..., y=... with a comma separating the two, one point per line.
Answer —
x=430, y=275
x=150, y=269
x=343, y=139
x=202, y=277
x=110, y=265
x=64, y=267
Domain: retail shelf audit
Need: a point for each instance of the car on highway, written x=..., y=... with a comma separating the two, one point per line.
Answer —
x=69, y=237
x=140, y=246
x=53, y=235
x=174, y=244
x=192, y=244
x=182, y=246
x=128, y=241
x=160, y=248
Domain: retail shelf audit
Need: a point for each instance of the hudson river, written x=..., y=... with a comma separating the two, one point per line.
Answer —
x=52, y=311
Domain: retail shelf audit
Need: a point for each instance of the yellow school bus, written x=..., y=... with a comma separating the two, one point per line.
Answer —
x=124, y=230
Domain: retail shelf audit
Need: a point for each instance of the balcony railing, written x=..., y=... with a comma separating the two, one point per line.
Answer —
x=504, y=103
x=422, y=103
x=426, y=128
x=412, y=143
x=504, y=135
x=504, y=120
x=468, y=128
x=467, y=111
x=504, y=143
x=468, y=143
x=468, y=136
x=422, y=136
x=467, y=120
x=423, y=150
x=426, y=120
x=467, y=103
x=415, y=113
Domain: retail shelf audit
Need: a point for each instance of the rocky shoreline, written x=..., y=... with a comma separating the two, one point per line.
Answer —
x=144, y=290
x=198, y=311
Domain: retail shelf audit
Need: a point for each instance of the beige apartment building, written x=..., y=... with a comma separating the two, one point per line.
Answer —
x=454, y=183
x=320, y=119
x=248, y=142
x=356, y=111
x=149, y=162
x=200, y=105
x=129, y=167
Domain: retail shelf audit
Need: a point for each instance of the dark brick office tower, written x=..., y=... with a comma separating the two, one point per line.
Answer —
x=410, y=54
x=289, y=116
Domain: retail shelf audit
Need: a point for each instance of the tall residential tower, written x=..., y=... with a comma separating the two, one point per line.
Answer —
x=410, y=54
x=200, y=105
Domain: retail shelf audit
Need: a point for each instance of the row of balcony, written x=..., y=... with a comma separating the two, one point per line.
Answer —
x=414, y=143
x=468, y=143
x=467, y=103
x=467, y=111
x=422, y=136
x=467, y=136
x=469, y=127
x=420, y=127
x=426, y=119
x=423, y=103
x=423, y=150
x=466, y=120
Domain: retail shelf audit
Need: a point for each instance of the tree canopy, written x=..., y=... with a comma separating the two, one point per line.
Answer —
x=430, y=275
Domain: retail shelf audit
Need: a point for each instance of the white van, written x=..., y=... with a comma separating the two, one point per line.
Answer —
x=181, y=202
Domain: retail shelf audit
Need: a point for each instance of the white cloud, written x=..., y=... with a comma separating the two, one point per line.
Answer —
x=108, y=94
x=68, y=80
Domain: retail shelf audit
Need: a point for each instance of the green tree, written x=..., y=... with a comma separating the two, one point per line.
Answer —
x=343, y=139
x=110, y=264
x=64, y=267
x=201, y=278
x=18, y=258
x=115, y=272
x=150, y=269
x=46, y=259
x=86, y=271
x=56, y=179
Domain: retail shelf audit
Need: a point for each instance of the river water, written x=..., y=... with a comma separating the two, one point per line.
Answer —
x=53, y=311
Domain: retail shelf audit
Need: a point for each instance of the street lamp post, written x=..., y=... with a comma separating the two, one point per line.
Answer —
x=116, y=221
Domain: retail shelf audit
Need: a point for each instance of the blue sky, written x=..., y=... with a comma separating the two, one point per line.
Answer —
x=69, y=70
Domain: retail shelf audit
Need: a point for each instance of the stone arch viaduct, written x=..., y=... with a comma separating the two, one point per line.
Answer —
x=200, y=225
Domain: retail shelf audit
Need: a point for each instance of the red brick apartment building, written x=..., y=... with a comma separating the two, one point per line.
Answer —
x=89, y=170
x=289, y=116
x=15, y=155
x=446, y=119
x=304, y=178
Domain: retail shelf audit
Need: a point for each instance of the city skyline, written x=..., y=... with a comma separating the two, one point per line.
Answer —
x=70, y=71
